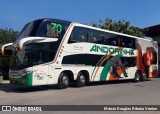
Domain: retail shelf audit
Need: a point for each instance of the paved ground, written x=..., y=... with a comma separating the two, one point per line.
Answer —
x=110, y=93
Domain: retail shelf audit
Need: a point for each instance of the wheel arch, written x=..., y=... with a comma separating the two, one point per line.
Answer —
x=69, y=74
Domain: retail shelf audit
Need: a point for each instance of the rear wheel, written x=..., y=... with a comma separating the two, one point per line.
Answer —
x=144, y=76
x=63, y=81
x=137, y=76
x=81, y=80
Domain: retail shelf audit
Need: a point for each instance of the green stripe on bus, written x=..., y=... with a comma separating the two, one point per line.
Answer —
x=105, y=71
x=98, y=64
x=29, y=79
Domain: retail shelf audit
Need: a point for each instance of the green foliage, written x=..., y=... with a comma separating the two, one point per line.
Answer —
x=121, y=26
x=7, y=35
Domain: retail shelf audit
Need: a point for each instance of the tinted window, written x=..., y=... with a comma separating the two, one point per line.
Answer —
x=155, y=58
x=52, y=29
x=85, y=59
x=127, y=42
x=129, y=61
x=42, y=28
x=79, y=34
x=97, y=37
x=43, y=52
x=112, y=39
x=34, y=54
x=89, y=59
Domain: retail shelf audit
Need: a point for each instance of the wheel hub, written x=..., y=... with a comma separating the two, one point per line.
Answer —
x=137, y=77
x=82, y=79
x=65, y=80
x=145, y=75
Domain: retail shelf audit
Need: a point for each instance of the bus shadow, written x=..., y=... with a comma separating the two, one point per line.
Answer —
x=105, y=83
x=129, y=81
x=110, y=82
x=22, y=89
x=7, y=87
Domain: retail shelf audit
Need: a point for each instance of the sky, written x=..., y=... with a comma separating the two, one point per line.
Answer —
x=141, y=13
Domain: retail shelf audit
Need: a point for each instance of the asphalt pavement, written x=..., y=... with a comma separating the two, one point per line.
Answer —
x=105, y=93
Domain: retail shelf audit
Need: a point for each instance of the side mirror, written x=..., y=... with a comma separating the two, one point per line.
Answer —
x=24, y=40
x=34, y=39
x=6, y=45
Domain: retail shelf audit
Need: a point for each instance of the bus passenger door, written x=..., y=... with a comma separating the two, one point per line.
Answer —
x=51, y=74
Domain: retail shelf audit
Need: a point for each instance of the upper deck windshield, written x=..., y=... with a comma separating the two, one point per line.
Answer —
x=35, y=53
x=43, y=28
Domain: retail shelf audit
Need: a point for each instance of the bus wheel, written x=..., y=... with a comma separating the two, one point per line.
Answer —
x=137, y=76
x=144, y=76
x=63, y=81
x=81, y=80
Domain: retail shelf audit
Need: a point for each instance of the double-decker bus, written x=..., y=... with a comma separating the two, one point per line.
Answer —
x=52, y=51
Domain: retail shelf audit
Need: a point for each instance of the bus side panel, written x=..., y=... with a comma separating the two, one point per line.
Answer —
x=110, y=76
x=51, y=74
x=147, y=57
x=68, y=69
x=40, y=75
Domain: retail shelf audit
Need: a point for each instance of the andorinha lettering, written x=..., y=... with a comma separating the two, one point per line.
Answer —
x=107, y=50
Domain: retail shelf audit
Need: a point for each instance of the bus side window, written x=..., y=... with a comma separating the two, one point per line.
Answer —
x=112, y=39
x=94, y=36
x=127, y=42
x=133, y=44
x=97, y=37
x=79, y=34
x=129, y=61
x=103, y=38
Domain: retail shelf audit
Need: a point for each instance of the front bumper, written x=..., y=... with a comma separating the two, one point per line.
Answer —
x=24, y=80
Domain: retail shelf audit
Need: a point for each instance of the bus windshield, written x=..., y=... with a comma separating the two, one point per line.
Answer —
x=43, y=28
x=34, y=54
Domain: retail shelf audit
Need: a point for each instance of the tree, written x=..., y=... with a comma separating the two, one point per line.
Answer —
x=7, y=35
x=121, y=26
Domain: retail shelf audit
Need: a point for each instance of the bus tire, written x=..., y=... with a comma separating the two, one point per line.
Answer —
x=63, y=81
x=144, y=76
x=137, y=76
x=81, y=80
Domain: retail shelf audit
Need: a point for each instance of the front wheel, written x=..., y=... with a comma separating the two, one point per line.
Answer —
x=63, y=81
x=81, y=80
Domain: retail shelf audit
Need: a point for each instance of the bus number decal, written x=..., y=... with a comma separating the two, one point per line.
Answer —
x=56, y=27
x=40, y=76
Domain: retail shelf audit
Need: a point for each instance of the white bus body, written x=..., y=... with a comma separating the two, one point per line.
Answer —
x=72, y=52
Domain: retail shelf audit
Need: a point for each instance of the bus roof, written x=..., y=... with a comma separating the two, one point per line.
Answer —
x=55, y=20
x=87, y=26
